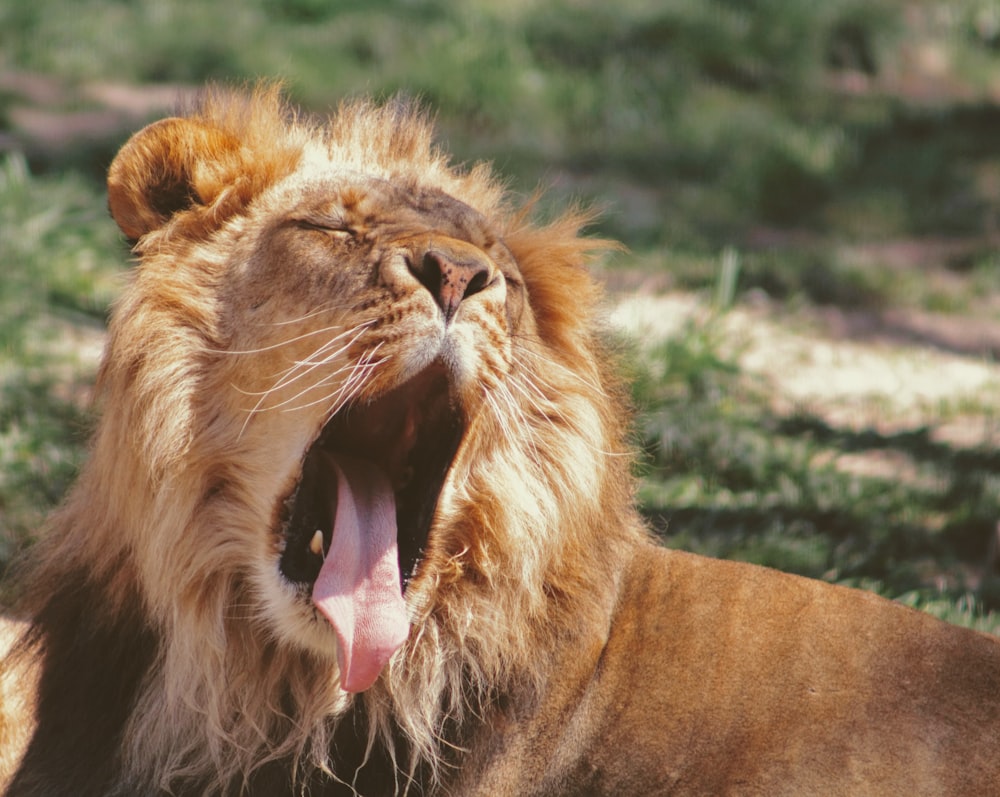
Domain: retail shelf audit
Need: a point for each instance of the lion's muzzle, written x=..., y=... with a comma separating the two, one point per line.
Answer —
x=452, y=270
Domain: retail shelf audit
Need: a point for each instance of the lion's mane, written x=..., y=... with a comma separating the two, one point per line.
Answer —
x=150, y=569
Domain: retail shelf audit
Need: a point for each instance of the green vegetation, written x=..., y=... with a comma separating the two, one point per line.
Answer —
x=839, y=158
x=726, y=475
x=61, y=259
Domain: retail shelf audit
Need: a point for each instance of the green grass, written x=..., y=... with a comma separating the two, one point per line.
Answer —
x=61, y=265
x=722, y=113
x=725, y=475
x=795, y=137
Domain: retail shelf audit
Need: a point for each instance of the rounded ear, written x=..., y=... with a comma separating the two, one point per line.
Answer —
x=169, y=166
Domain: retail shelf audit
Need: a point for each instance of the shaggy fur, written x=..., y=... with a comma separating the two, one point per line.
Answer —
x=553, y=648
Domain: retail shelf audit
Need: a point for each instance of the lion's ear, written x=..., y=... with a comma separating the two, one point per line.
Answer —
x=169, y=166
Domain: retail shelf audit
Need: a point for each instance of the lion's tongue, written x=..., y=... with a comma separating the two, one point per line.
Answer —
x=358, y=587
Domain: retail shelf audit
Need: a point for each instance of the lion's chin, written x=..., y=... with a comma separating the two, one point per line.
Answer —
x=409, y=436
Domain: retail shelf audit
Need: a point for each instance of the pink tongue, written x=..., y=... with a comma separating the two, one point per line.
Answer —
x=358, y=587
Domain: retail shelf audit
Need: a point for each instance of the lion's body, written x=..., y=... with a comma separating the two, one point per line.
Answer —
x=721, y=678
x=333, y=331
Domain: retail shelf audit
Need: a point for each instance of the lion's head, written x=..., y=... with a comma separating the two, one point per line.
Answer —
x=358, y=439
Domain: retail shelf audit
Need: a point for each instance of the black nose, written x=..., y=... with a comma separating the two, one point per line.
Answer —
x=451, y=278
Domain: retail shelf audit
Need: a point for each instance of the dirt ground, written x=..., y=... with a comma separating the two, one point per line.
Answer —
x=855, y=370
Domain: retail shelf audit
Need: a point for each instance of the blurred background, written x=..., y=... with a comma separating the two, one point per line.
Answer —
x=809, y=307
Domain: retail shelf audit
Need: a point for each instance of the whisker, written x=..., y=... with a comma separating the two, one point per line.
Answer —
x=538, y=399
x=311, y=361
x=525, y=385
x=326, y=380
x=289, y=341
x=550, y=363
x=357, y=378
x=296, y=371
x=347, y=391
x=314, y=360
x=306, y=317
x=493, y=397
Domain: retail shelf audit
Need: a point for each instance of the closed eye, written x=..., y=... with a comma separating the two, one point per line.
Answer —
x=332, y=227
x=512, y=281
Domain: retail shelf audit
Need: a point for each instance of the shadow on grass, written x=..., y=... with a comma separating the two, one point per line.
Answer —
x=917, y=443
x=927, y=529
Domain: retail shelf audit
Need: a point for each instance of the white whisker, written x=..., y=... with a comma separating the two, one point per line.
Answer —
x=325, y=381
x=493, y=398
x=525, y=385
x=300, y=368
x=550, y=363
x=345, y=393
x=311, y=362
x=291, y=340
x=306, y=317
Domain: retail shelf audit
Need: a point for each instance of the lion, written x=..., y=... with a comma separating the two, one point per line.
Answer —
x=359, y=518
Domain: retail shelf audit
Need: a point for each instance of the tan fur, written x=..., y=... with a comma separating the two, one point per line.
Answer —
x=16, y=687
x=553, y=647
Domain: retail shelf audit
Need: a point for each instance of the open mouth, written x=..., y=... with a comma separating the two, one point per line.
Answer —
x=409, y=437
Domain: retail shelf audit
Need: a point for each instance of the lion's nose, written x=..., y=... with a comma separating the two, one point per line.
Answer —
x=451, y=277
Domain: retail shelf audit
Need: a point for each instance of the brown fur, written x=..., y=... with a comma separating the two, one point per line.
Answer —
x=553, y=648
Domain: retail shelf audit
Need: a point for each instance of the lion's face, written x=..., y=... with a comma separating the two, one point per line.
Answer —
x=353, y=328
x=391, y=321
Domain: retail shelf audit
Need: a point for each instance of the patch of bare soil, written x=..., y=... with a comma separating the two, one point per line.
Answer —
x=889, y=372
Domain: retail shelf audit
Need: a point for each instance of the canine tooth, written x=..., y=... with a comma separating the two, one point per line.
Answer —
x=316, y=543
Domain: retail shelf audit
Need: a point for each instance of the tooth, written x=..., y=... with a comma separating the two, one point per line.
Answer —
x=316, y=543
